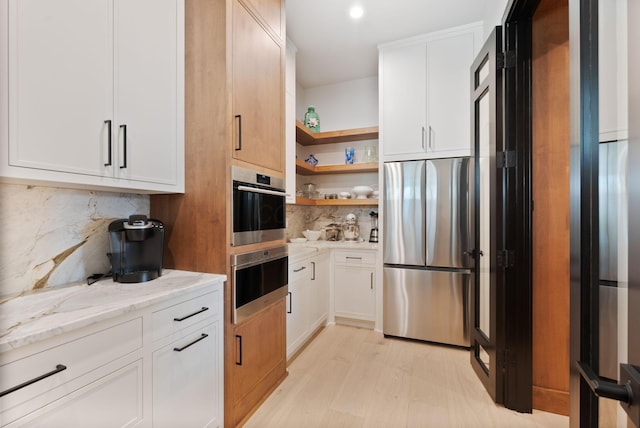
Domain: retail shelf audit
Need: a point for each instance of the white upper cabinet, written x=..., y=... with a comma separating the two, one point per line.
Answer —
x=425, y=94
x=96, y=93
x=612, y=70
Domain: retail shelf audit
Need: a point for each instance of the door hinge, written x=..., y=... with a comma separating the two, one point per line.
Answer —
x=506, y=59
x=506, y=159
x=506, y=259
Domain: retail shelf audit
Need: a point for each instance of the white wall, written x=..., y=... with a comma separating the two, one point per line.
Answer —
x=494, y=10
x=51, y=237
x=346, y=105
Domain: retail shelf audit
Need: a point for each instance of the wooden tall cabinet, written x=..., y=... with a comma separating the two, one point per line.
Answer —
x=234, y=66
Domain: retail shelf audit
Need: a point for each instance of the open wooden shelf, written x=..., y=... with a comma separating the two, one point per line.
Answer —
x=308, y=138
x=338, y=202
x=304, y=168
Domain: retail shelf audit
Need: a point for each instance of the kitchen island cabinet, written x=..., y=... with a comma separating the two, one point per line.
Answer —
x=110, y=111
x=425, y=92
x=109, y=354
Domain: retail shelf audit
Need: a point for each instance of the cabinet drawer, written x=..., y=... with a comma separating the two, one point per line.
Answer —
x=65, y=362
x=184, y=314
x=299, y=272
x=355, y=257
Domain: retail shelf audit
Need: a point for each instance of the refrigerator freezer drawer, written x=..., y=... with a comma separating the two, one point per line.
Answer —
x=427, y=305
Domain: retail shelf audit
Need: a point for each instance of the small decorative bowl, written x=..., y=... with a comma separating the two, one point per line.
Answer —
x=362, y=192
x=312, y=235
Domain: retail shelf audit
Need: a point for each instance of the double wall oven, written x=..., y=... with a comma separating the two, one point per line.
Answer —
x=259, y=277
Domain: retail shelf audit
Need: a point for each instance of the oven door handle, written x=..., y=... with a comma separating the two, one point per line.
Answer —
x=265, y=191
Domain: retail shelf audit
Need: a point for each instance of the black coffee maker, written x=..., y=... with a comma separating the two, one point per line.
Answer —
x=136, y=249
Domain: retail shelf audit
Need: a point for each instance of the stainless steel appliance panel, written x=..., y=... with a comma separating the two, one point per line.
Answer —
x=448, y=222
x=404, y=213
x=259, y=279
x=258, y=210
x=612, y=189
x=427, y=305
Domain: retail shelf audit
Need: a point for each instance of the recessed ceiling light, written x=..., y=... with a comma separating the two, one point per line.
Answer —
x=356, y=12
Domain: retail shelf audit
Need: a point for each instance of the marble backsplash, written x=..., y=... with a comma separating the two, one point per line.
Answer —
x=301, y=218
x=51, y=236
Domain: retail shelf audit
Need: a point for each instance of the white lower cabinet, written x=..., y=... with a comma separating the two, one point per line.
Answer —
x=307, y=301
x=354, y=285
x=185, y=380
x=298, y=306
x=119, y=373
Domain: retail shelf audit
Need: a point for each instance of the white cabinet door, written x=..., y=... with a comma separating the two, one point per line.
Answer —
x=81, y=76
x=186, y=387
x=402, y=99
x=354, y=292
x=612, y=70
x=448, y=95
x=425, y=93
x=320, y=275
x=60, y=84
x=147, y=95
x=297, y=306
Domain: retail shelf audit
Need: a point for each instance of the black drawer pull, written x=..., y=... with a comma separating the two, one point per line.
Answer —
x=239, y=349
x=202, y=336
x=59, y=368
x=300, y=270
x=353, y=258
x=204, y=308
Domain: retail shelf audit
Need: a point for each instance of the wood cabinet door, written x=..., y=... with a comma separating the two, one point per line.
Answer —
x=149, y=90
x=259, y=349
x=271, y=13
x=448, y=94
x=402, y=99
x=258, y=93
x=60, y=85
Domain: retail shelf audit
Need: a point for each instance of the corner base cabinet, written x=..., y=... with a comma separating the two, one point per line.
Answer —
x=354, y=285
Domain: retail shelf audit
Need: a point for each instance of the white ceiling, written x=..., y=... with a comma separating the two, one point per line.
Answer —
x=334, y=48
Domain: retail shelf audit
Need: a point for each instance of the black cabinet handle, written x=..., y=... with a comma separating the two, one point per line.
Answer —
x=300, y=270
x=204, y=308
x=239, y=348
x=290, y=302
x=239, y=146
x=108, y=123
x=372, y=280
x=313, y=272
x=59, y=368
x=353, y=258
x=124, y=145
x=202, y=336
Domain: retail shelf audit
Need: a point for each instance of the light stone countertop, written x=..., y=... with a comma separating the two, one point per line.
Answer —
x=39, y=315
x=299, y=251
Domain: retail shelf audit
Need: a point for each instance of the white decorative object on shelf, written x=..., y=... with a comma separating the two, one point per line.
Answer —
x=362, y=192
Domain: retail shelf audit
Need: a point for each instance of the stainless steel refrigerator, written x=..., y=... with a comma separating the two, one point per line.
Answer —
x=427, y=237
